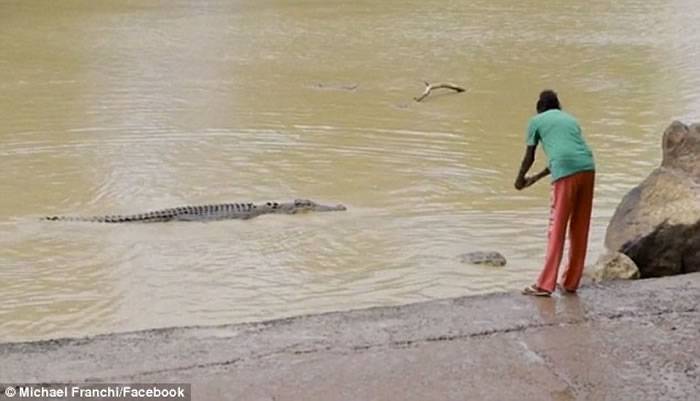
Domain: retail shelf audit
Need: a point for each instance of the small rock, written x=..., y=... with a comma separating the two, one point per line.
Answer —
x=483, y=258
x=614, y=266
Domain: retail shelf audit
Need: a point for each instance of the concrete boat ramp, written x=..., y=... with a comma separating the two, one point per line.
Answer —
x=635, y=340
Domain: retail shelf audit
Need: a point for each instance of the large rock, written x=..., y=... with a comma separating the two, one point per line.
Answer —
x=657, y=223
x=669, y=249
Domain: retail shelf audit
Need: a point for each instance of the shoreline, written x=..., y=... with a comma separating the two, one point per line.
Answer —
x=67, y=339
x=641, y=334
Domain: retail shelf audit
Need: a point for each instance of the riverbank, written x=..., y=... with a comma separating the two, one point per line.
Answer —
x=622, y=341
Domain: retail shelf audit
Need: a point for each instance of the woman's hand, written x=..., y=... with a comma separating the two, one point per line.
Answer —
x=531, y=180
x=524, y=182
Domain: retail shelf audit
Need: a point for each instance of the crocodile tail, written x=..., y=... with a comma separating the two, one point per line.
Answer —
x=133, y=218
x=64, y=218
x=91, y=219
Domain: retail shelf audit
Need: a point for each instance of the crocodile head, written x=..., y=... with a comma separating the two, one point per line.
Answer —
x=303, y=205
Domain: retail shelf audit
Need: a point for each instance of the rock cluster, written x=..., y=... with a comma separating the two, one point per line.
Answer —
x=657, y=224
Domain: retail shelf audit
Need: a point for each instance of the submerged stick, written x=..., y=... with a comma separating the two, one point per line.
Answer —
x=429, y=88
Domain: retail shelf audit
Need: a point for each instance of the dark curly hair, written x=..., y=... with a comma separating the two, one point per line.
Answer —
x=548, y=101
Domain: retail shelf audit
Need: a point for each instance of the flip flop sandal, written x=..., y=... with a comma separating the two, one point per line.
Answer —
x=535, y=291
x=565, y=290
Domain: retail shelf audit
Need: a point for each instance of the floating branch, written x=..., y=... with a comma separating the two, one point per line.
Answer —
x=429, y=88
x=349, y=87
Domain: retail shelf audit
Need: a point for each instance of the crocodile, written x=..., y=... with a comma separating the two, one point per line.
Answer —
x=222, y=211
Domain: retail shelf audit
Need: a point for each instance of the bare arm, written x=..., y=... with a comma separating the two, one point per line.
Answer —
x=527, y=162
x=533, y=179
x=522, y=181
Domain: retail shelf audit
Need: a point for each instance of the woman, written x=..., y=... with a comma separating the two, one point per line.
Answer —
x=573, y=172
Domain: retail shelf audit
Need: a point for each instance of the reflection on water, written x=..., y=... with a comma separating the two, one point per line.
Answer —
x=117, y=108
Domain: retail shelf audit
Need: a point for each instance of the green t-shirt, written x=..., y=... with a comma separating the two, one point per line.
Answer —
x=562, y=141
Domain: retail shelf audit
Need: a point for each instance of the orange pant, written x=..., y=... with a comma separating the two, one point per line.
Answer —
x=572, y=201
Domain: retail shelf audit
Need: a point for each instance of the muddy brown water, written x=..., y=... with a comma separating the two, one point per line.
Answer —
x=119, y=107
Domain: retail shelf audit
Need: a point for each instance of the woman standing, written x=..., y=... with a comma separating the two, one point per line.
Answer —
x=570, y=162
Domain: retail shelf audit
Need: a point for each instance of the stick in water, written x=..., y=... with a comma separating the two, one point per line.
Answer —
x=429, y=88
